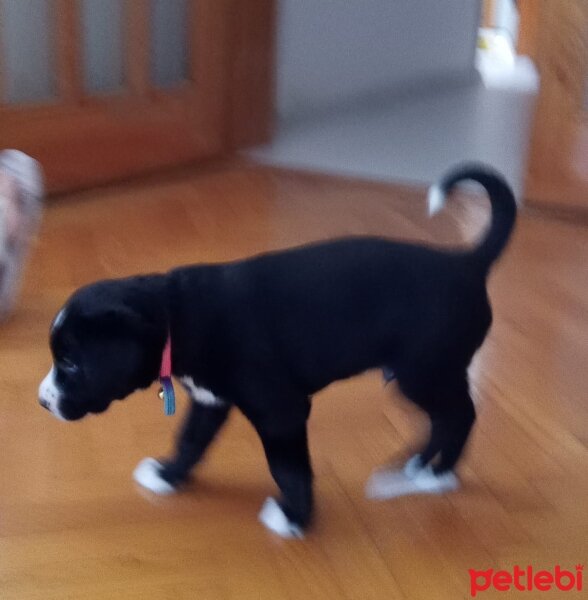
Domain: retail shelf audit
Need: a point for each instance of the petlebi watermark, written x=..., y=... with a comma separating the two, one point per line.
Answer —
x=526, y=579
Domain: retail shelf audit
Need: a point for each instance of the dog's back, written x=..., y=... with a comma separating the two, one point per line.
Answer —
x=332, y=310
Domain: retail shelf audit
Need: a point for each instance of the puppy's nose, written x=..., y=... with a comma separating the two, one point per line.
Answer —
x=44, y=403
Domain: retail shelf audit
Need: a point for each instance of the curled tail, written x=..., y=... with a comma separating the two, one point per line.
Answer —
x=502, y=200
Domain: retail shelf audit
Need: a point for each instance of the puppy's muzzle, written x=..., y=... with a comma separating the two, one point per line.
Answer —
x=49, y=394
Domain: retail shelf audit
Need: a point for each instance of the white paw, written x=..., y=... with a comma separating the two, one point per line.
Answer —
x=272, y=516
x=146, y=474
x=383, y=485
x=413, y=466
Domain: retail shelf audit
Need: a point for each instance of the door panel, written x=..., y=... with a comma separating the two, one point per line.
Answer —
x=103, y=64
x=25, y=51
x=132, y=86
x=555, y=34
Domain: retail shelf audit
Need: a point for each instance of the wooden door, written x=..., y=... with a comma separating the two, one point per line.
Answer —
x=555, y=34
x=83, y=134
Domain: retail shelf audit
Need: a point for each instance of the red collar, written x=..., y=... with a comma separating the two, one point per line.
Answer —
x=166, y=369
x=166, y=393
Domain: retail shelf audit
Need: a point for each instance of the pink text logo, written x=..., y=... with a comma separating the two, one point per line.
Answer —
x=526, y=580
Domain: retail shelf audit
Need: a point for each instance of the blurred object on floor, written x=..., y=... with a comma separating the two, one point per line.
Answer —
x=21, y=197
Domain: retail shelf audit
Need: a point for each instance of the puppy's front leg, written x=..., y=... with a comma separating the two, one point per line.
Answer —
x=200, y=427
x=289, y=463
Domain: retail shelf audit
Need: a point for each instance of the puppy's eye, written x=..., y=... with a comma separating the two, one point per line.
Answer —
x=68, y=366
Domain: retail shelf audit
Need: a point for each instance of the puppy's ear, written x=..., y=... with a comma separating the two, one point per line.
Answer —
x=133, y=306
x=120, y=320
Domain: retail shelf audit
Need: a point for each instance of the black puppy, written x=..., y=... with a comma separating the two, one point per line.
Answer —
x=265, y=334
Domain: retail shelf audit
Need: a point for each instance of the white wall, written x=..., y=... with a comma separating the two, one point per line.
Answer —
x=406, y=57
x=332, y=51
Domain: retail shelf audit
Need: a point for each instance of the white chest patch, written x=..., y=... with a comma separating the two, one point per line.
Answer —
x=199, y=394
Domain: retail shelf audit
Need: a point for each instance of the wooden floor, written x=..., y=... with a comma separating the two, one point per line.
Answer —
x=74, y=526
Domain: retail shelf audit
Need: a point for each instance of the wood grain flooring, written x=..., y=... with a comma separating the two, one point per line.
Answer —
x=74, y=526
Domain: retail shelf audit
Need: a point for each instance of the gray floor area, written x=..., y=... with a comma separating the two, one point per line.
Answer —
x=414, y=139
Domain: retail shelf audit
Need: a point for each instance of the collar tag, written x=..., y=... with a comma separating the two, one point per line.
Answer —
x=166, y=392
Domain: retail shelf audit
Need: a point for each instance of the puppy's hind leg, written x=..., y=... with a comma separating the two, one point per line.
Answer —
x=200, y=427
x=452, y=415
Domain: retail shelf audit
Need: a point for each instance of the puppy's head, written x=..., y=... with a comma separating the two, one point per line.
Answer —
x=106, y=343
